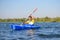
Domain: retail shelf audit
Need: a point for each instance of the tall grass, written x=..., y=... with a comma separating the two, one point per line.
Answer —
x=45, y=19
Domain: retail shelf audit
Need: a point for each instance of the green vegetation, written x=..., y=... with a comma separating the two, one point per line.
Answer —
x=46, y=19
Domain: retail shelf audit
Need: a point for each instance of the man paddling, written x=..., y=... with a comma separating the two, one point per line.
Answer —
x=30, y=20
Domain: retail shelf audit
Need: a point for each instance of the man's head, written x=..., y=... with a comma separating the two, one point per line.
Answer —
x=30, y=17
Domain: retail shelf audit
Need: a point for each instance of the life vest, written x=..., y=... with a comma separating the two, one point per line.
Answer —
x=30, y=22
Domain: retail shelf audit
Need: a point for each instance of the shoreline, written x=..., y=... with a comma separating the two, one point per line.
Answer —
x=45, y=19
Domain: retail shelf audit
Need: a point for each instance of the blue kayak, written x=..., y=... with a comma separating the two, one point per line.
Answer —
x=25, y=26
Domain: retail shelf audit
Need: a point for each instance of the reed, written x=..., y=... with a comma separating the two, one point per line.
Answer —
x=45, y=19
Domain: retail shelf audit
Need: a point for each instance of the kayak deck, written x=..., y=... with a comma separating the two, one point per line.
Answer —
x=26, y=26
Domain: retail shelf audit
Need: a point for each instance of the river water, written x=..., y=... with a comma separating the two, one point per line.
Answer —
x=47, y=31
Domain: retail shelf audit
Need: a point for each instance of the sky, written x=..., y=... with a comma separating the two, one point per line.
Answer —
x=22, y=8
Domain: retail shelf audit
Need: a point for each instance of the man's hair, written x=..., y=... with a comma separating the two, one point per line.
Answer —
x=30, y=16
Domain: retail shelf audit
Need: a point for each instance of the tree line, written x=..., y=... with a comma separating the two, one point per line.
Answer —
x=45, y=19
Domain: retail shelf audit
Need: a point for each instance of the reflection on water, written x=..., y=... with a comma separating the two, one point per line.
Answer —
x=47, y=31
x=30, y=32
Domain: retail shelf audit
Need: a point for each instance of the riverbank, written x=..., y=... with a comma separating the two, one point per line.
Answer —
x=45, y=19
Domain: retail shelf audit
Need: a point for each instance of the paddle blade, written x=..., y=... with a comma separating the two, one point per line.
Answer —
x=34, y=10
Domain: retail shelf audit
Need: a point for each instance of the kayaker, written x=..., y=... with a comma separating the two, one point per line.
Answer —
x=30, y=20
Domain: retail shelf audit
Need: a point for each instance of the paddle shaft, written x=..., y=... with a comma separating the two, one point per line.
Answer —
x=33, y=11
